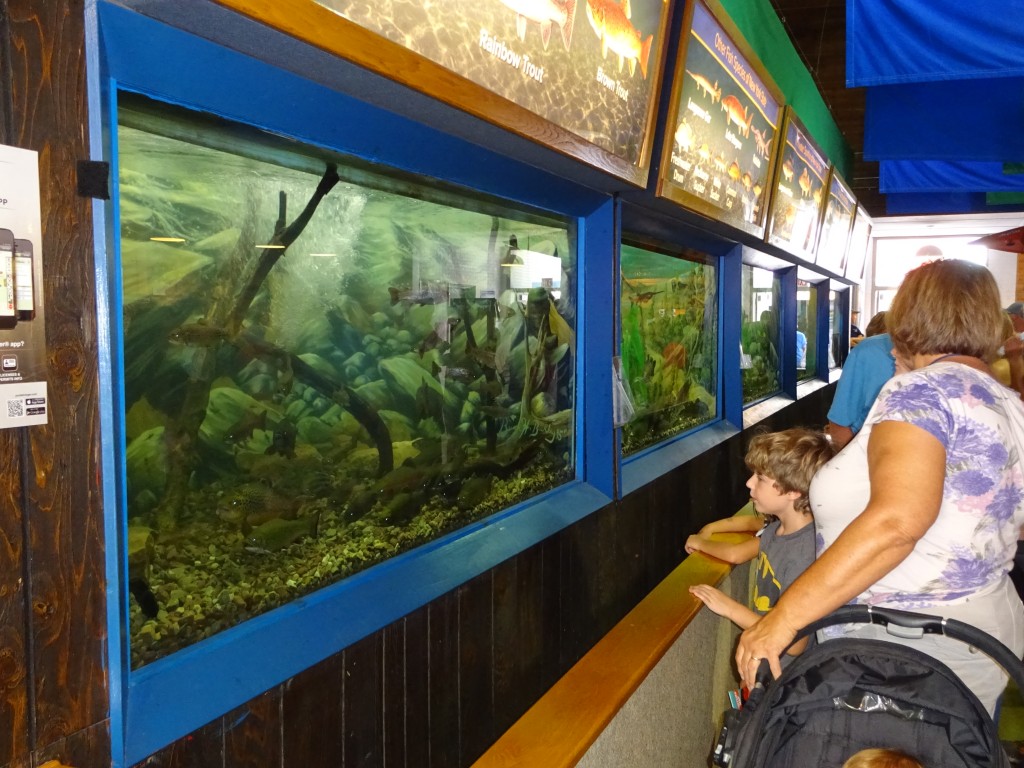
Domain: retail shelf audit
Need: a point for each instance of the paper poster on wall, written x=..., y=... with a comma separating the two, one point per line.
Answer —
x=23, y=398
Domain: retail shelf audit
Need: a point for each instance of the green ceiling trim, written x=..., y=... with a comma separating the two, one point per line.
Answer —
x=1004, y=198
x=760, y=25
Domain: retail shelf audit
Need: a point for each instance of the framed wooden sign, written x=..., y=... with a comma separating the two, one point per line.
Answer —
x=723, y=118
x=579, y=76
x=836, y=226
x=794, y=215
x=860, y=238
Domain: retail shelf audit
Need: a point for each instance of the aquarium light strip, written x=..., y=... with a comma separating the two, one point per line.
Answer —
x=168, y=239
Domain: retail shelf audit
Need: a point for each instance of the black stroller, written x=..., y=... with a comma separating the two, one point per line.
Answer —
x=845, y=695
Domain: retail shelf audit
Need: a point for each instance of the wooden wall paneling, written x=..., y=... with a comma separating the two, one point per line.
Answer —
x=443, y=682
x=66, y=574
x=526, y=637
x=14, y=702
x=393, y=692
x=203, y=748
x=14, y=679
x=417, y=688
x=578, y=553
x=312, y=715
x=252, y=733
x=476, y=663
x=668, y=519
x=363, y=703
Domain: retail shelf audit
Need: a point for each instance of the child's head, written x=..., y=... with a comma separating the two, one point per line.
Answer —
x=790, y=458
x=881, y=758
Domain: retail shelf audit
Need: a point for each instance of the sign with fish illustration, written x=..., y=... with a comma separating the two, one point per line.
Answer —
x=836, y=227
x=724, y=115
x=859, y=240
x=794, y=216
x=590, y=68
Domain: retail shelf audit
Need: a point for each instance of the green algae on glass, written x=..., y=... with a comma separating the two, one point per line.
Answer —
x=669, y=309
x=324, y=365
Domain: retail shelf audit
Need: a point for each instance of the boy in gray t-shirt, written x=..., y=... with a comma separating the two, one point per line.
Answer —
x=782, y=464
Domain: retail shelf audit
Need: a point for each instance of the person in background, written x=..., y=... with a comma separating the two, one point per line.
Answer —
x=801, y=350
x=782, y=464
x=855, y=331
x=866, y=370
x=881, y=758
x=1016, y=313
x=876, y=325
x=922, y=510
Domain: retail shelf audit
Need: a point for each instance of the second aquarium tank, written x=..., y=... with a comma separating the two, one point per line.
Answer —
x=324, y=365
x=669, y=308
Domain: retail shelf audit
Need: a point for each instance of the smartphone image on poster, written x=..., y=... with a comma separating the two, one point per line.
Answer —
x=8, y=313
x=24, y=280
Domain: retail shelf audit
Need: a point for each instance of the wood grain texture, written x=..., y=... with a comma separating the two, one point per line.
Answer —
x=66, y=616
x=312, y=720
x=364, y=731
x=252, y=733
x=203, y=748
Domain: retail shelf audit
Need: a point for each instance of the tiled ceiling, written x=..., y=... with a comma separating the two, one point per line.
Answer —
x=818, y=31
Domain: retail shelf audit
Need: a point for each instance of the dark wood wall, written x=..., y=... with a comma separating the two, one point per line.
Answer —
x=53, y=679
x=433, y=689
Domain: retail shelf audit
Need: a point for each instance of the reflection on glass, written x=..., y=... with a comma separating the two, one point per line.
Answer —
x=320, y=374
x=806, y=330
x=669, y=344
x=836, y=350
x=759, y=335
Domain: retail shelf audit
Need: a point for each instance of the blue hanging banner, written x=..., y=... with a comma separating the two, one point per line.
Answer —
x=945, y=176
x=980, y=120
x=905, y=41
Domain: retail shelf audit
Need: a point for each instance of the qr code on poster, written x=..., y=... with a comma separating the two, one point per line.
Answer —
x=15, y=409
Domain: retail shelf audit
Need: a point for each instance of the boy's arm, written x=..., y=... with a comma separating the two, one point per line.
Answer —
x=734, y=553
x=724, y=606
x=734, y=524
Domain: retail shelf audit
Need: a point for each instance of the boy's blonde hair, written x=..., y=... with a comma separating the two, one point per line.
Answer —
x=790, y=458
x=881, y=758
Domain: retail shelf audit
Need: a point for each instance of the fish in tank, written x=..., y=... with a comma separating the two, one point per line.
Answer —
x=324, y=365
x=669, y=310
x=760, y=366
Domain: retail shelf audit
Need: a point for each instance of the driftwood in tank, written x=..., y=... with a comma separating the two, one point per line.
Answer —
x=225, y=315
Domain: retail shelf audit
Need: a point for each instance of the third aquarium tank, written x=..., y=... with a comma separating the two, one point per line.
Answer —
x=669, y=307
x=325, y=365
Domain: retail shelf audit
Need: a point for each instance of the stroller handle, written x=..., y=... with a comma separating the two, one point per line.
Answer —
x=906, y=624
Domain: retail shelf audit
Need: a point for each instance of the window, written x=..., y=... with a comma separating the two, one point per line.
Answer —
x=669, y=307
x=806, y=330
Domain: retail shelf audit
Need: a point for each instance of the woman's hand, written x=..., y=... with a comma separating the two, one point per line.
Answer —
x=768, y=639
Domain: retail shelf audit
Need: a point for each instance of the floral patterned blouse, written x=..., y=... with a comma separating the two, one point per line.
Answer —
x=970, y=546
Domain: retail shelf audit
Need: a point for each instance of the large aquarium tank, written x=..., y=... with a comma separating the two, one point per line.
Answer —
x=806, y=330
x=760, y=365
x=669, y=308
x=325, y=365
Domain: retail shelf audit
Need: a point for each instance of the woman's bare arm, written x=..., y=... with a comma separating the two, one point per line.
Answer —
x=907, y=468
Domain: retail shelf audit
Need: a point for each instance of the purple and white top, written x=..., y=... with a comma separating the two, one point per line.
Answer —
x=970, y=547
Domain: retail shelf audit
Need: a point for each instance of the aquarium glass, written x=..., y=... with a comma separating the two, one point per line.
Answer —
x=324, y=366
x=806, y=330
x=759, y=334
x=669, y=306
x=835, y=347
